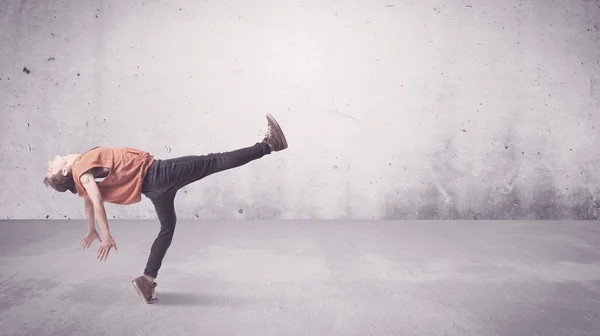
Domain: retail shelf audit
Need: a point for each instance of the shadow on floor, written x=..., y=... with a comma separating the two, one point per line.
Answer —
x=190, y=299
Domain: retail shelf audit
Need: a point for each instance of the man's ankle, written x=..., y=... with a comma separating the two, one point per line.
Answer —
x=149, y=278
x=267, y=147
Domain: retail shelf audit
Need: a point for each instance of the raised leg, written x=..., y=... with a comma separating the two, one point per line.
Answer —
x=189, y=169
x=173, y=174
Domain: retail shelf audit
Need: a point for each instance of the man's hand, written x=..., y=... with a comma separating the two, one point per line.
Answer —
x=89, y=239
x=105, y=247
x=97, y=204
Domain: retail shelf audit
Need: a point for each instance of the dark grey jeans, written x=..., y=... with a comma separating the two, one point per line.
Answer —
x=166, y=177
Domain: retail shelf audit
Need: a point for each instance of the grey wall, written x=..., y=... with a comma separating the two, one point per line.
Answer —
x=393, y=109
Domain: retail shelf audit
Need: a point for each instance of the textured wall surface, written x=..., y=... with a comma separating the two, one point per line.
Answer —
x=393, y=109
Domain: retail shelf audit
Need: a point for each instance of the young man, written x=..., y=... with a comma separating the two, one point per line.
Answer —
x=127, y=173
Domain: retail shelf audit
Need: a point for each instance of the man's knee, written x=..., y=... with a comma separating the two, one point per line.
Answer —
x=167, y=228
x=168, y=221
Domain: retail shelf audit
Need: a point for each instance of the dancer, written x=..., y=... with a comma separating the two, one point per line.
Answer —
x=127, y=173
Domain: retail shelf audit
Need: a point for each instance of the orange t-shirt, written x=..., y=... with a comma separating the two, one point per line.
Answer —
x=128, y=167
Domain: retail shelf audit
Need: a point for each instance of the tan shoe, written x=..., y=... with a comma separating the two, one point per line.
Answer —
x=145, y=288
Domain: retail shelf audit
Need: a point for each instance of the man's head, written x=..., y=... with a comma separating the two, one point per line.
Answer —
x=59, y=175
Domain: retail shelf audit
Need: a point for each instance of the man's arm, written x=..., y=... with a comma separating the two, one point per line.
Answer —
x=89, y=214
x=89, y=183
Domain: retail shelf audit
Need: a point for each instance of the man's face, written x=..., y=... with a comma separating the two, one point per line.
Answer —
x=56, y=166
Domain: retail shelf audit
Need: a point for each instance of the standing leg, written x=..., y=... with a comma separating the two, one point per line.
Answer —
x=165, y=210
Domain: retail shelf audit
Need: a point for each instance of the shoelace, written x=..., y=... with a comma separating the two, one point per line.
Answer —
x=266, y=133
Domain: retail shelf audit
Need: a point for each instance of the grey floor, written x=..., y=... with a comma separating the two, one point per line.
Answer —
x=306, y=278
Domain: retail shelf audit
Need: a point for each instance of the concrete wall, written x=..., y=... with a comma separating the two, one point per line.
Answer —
x=393, y=109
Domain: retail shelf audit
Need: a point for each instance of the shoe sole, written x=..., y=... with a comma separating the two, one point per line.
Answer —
x=279, y=131
x=139, y=291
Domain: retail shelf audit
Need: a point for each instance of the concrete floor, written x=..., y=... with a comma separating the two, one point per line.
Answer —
x=306, y=278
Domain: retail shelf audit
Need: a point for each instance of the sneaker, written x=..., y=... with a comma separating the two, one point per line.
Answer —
x=275, y=138
x=145, y=288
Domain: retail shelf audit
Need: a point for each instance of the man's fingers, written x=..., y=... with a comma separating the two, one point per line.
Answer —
x=103, y=253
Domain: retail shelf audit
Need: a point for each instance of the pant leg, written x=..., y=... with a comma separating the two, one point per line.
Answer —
x=165, y=209
x=176, y=173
